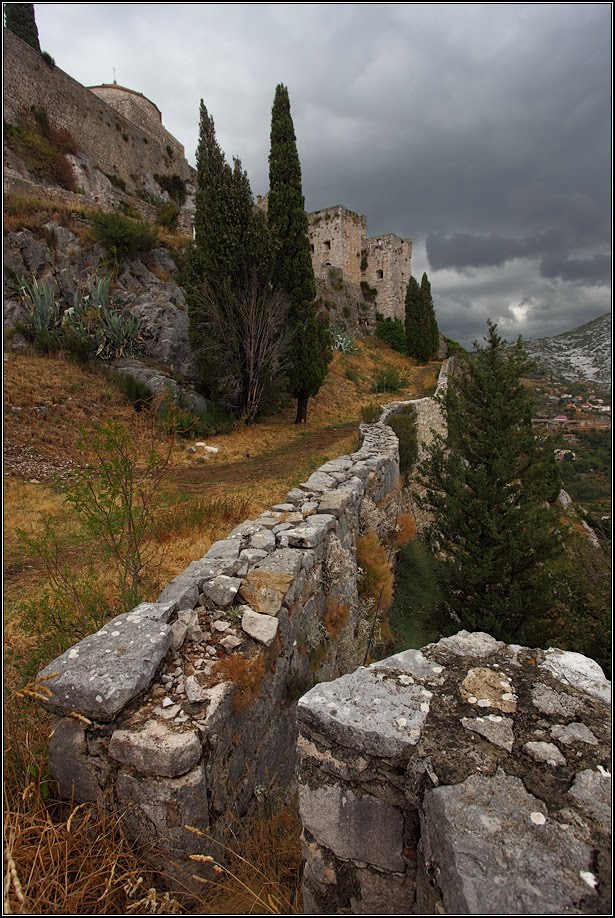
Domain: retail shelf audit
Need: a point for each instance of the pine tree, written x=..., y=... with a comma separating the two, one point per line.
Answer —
x=19, y=18
x=310, y=351
x=487, y=489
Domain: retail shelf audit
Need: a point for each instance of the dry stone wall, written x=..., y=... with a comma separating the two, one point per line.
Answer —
x=469, y=778
x=183, y=710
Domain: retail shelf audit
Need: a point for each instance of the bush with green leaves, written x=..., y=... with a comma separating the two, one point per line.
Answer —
x=175, y=417
x=42, y=324
x=121, y=236
x=175, y=187
x=167, y=215
x=393, y=332
x=389, y=379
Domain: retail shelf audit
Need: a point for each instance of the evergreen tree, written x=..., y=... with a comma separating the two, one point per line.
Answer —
x=310, y=351
x=422, y=337
x=19, y=19
x=487, y=488
x=228, y=281
x=431, y=326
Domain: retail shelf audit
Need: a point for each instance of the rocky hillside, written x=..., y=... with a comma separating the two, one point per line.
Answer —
x=581, y=354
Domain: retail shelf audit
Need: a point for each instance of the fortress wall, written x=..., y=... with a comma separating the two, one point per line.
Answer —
x=468, y=778
x=337, y=236
x=183, y=710
x=390, y=256
x=117, y=146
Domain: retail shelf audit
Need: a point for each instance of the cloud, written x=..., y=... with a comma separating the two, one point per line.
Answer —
x=464, y=250
x=594, y=271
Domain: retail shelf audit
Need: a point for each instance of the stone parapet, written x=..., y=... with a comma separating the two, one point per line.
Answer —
x=467, y=778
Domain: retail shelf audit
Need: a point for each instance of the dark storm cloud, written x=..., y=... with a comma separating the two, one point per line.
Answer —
x=481, y=131
x=594, y=271
x=464, y=250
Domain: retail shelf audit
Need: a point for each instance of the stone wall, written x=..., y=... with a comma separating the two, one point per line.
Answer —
x=464, y=779
x=338, y=238
x=117, y=145
x=183, y=710
x=388, y=272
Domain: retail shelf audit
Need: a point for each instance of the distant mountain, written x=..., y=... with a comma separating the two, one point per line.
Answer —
x=581, y=354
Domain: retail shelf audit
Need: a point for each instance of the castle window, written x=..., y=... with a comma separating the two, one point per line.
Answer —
x=379, y=274
x=328, y=245
x=312, y=248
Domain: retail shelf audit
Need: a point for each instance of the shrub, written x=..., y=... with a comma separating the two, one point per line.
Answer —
x=390, y=379
x=352, y=375
x=116, y=181
x=175, y=417
x=341, y=340
x=137, y=393
x=48, y=59
x=122, y=236
x=404, y=425
x=363, y=265
x=405, y=530
x=369, y=293
x=346, y=312
x=371, y=413
x=168, y=214
x=453, y=347
x=393, y=332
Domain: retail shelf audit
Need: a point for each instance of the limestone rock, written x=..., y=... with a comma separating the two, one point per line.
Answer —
x=388, y=721
x=497, y=730
x=222, y=590
x=559, y=703
x=354, y=827
x=528, y=866
x=156, y=749
x=574, y=733
x=579, y=671
x=262, y=628
x=591, y=791
x=545, y=752
x=466, y=644
x=489, y=688
x=264, y=590
x=103, y=672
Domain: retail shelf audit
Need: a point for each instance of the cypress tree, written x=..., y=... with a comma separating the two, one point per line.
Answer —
x=487, y=488
x=19, y=18
x=431, y=326
x=292, y=271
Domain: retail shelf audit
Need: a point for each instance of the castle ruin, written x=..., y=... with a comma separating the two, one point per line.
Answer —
x=338, y=238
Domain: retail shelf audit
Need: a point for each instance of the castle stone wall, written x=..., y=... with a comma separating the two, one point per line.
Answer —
x=388, y=272
x=117, y=146
x=468, y=778
x=338, y=237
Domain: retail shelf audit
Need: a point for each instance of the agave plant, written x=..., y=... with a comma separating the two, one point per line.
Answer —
x=39, y=300
x=341, y=340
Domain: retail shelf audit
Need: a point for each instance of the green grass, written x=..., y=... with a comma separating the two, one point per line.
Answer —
x=415, y=595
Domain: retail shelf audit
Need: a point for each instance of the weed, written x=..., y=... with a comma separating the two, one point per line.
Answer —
x=246, y=674
x=352, y=375
x=377, y=578
x=405, y=530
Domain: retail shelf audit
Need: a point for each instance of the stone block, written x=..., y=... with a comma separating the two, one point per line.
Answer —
x=335, y=502
x=388, y=721
x=222, y=590
x=475, y=644
x=591, y=792
x=573, y=669
x=495, y=729
x=495, y=850
x=156, y=749
x=263, y=540
x=265, y=590
x=69, y=762
x=225, y=548
x=183, y=592
x=353, y=827
x=159, y=611
x=102, y=673
x=263, y=628
x=312, y=532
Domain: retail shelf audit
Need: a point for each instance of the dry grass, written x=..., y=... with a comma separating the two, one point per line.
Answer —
x=260, y=872
x=246, y=674
x=377, y=579
x=405, y=530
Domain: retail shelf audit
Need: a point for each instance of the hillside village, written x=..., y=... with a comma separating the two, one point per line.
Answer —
x=268, y=577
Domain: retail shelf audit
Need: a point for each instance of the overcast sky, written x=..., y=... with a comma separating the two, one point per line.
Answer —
x=480, y=131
